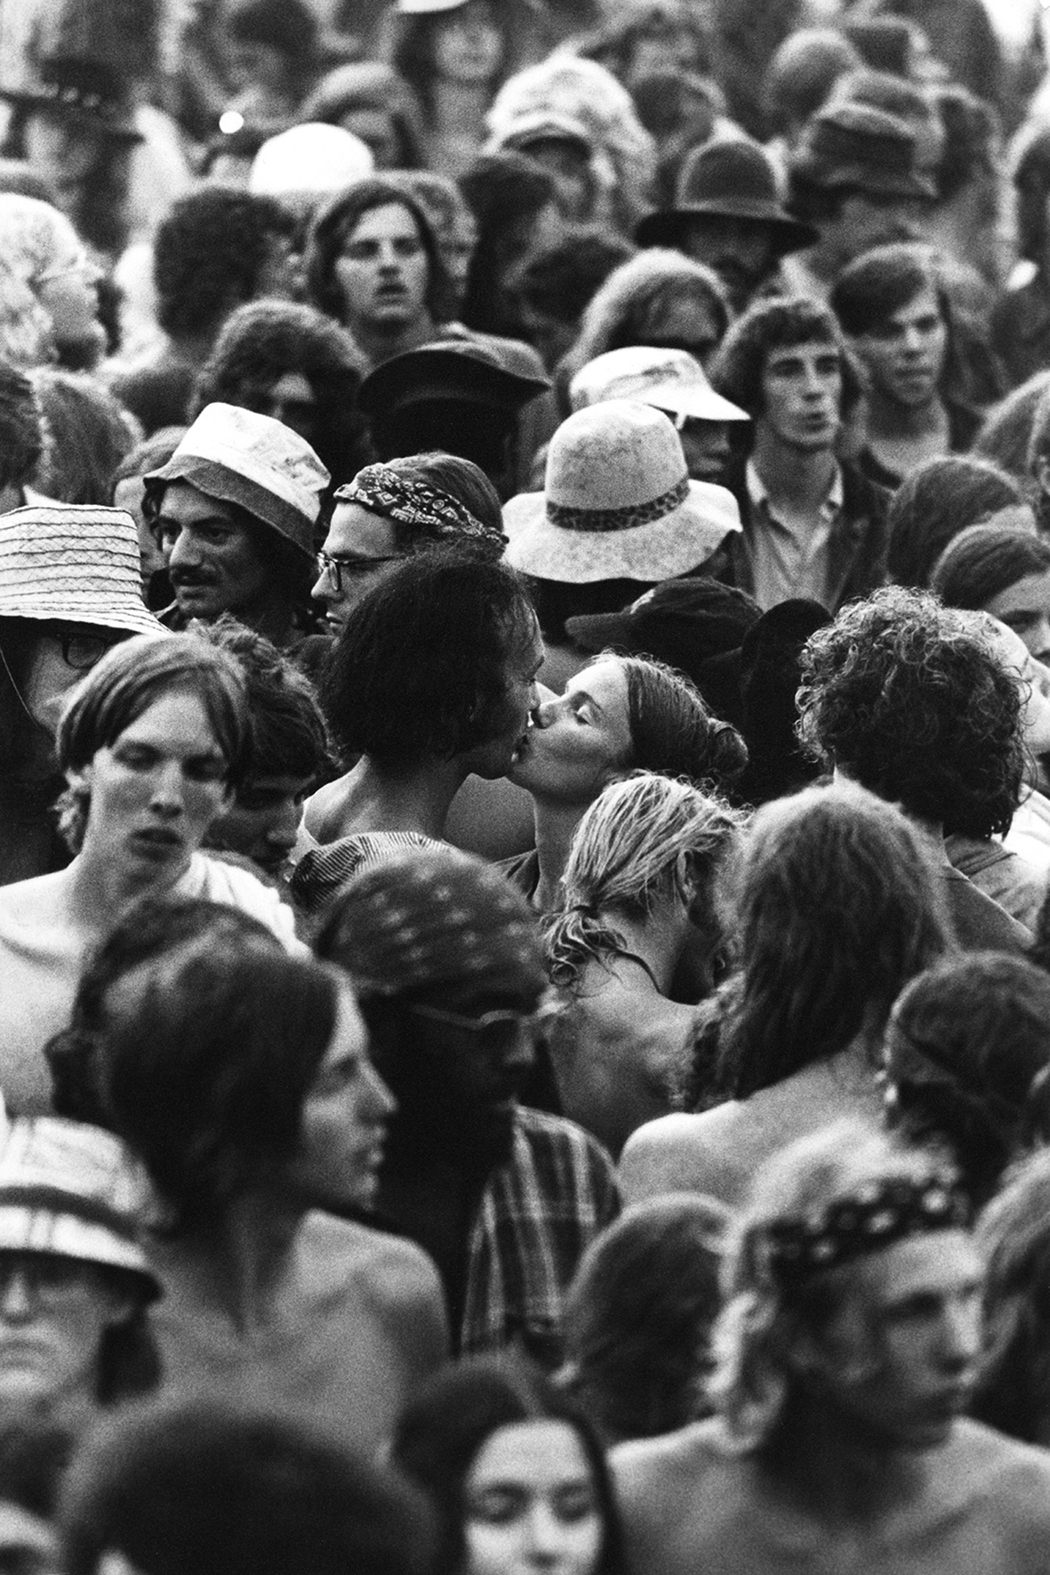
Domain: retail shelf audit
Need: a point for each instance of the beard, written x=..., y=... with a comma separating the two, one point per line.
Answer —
x=440, y=1121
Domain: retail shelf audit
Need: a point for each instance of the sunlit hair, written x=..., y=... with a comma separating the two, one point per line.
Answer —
x=129, y=679
x=761, y=1325
x=985, y=560
x=838, y=906
x=940, y=499
x=908, y=699
x=638, y=1314
x=1013, y=1237
x=1007, y=427
x=625, y=857
x=623, y=311
x=672, y=731
x=965, y=1043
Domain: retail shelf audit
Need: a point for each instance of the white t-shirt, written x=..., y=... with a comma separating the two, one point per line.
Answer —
x=40, y=965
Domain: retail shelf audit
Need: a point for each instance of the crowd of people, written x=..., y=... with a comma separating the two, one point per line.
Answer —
x=524, y=787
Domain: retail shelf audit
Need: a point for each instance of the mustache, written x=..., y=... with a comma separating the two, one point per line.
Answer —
x=190, y=577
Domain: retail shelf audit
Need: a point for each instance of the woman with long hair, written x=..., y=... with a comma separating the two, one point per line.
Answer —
x=642, y=904
x=514, y=1470
x=838, y=905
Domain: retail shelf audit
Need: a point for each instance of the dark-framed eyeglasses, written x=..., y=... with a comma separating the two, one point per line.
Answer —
x=495, y=1031
x=81, y=649
x=354, y=568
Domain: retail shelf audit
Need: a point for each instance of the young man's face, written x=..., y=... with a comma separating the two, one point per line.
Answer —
x=900, y=1356
x=383, y=270
x=802, y=395
x=905, y=353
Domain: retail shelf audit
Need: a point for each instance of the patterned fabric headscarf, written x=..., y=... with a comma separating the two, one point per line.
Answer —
x=415, y=503
x=434, y=916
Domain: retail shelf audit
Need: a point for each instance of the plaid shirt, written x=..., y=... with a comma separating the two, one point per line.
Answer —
x=538, y=1214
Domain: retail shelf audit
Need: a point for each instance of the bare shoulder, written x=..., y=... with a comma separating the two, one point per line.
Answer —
x=651, y=1470
x=390, y=1269
x=671, y=1154
x=38, y=901
x=1012, y=1477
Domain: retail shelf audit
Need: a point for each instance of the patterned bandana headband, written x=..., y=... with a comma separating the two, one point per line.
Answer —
x=876, y=1216
x=386, y=491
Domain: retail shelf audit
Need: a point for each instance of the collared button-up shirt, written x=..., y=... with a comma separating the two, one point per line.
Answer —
x=787, y=561
x=539, y=1213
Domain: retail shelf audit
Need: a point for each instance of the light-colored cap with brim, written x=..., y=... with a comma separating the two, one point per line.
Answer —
x=241, y=457
x=617, y=502
x=669, y=379
x=546, y=125
x=73, y=563
x=76, y=1190
x=426, y=7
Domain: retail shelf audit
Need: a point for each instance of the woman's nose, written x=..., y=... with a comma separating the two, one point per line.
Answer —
x=16, y=1298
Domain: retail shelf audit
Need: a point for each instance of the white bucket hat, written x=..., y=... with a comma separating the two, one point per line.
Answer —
x=241, y=457
x=618, y=503
x=73, y=1189
x=73, y=563
x=669, y=379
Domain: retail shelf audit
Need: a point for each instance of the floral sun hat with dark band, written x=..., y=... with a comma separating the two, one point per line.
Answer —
x=618, y=502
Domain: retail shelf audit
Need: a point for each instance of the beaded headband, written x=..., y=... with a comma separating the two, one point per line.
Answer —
x=399, y=497
x=876, y=1216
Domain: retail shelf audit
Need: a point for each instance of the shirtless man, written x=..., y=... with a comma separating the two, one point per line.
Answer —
x=848, y=1350
x=241, y=1078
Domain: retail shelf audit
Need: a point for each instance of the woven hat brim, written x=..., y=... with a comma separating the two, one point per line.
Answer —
x=665, y=228
x=661, y=550
x=61, y=578
x=26, y=1229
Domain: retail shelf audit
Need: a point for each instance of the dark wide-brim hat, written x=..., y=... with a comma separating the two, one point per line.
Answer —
x=727, y=179
x=449, y=370
x=83, y=93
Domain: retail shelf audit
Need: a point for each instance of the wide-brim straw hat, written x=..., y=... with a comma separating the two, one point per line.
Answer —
x=73, y=563
x=75, y=1190
x=617, y=502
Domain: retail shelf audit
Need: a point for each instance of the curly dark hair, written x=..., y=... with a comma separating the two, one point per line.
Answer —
x=964, y=1044
x=907, y=698
x=838, y=906
x=209, y=250
x=260, y=343
x=771, y=325
x=340, y=218
x=421, y=668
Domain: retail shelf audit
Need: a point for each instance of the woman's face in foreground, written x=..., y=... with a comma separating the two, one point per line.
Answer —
x=530, y=1503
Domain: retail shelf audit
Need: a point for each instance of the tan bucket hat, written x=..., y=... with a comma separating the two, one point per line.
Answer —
x=618, y=502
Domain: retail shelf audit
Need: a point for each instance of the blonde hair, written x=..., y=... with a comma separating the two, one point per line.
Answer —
x=623, y=856
x=759, y=1326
